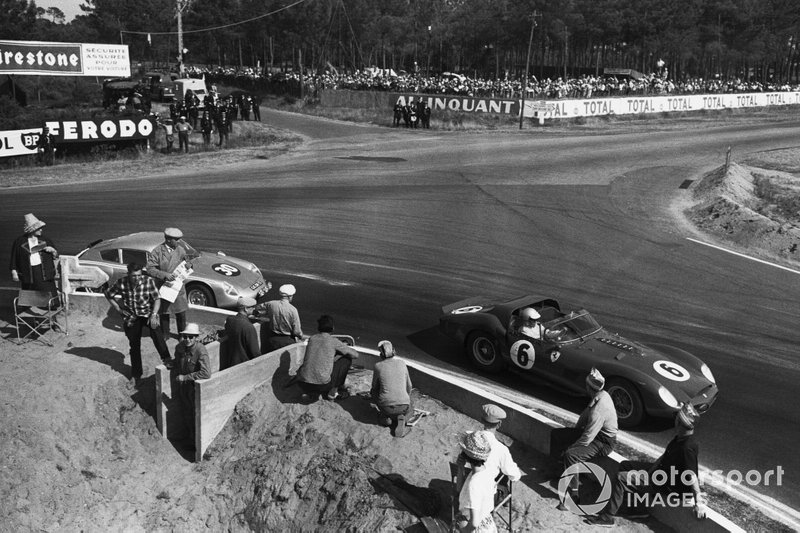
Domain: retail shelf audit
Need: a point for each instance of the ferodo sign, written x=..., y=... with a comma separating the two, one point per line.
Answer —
x=68, y=131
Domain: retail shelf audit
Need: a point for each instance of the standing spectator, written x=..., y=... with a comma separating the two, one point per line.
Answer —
x=139, y=307
x=46, y=148
x=476, y=498
x=678, y=464
x=426, y=117
x=240, y=341
x=596, y=430
x=161, y=263
x=33, y=258
x=397, y=114
x=499, y=460
x=191, y=363
x=222, y=127
x=391, y=390
x=207, y=128
x=169, y=136
x=244, y=105
x=283, y=321
x=184, y=129
x=326, y=363
x=257, y=108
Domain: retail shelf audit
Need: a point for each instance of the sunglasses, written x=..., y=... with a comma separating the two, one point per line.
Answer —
x=188, y=336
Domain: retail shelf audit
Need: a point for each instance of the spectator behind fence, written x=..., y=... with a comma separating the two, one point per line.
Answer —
x=281, y=325
x=325, y=365
x=191, y=363
x=239, y=343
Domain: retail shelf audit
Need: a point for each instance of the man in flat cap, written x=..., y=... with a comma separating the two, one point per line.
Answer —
x=281, y=325
x=240, y=341
x=596, y=429
x=677, y=465
x=499, y=461
x=161, y=265
x=391, y=390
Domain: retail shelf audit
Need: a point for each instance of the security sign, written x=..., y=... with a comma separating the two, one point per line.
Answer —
x=523, y=354
x=671, y=371
x=226, y=269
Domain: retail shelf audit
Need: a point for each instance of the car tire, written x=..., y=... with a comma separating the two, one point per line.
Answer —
x=198, y=294
x=484, y=352
x=627, y=402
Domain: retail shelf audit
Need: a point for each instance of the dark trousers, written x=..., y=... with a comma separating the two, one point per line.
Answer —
x=561, y=443
x=180, y=321
x=134, y=334
x=388, y=413
x=271, y=342
x=338, y=377
x=183, y=141
x=621, y=485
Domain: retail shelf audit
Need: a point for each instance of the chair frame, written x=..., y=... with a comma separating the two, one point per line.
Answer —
x=38, y=311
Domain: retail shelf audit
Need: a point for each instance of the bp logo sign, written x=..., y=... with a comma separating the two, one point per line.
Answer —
x=565, y=497
x=226, y=269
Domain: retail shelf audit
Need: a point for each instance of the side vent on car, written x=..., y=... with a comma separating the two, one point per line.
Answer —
x=617, y=344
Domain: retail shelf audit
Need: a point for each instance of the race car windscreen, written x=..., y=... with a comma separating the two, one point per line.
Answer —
x=581, y=323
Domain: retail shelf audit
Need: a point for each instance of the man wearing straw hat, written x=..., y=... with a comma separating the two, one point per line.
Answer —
x=191, y=363
x=33, y=258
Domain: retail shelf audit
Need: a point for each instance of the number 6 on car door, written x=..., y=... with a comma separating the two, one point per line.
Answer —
x=523, y=354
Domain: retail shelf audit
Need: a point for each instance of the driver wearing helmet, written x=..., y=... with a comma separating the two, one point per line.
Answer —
x=529, y=324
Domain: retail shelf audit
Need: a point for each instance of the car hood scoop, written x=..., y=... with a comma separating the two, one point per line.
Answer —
x=621, y=345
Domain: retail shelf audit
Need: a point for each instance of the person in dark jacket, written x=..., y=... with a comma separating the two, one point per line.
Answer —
x=33, y=258
x=240, y=341
x=191, y=363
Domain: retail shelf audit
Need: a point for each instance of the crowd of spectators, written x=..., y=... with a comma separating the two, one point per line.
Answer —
x=584, y=87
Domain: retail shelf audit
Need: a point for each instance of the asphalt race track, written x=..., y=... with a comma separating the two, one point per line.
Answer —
x=380, y=227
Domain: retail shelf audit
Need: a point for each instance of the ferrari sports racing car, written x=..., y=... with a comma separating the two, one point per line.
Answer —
x=642, y=380
x=218, y=280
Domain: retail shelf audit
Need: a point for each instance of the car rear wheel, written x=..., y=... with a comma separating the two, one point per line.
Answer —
x=200, y=295
x=627, y=402
x=484, y=353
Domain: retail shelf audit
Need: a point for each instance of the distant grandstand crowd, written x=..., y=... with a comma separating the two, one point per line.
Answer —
x=583, y=87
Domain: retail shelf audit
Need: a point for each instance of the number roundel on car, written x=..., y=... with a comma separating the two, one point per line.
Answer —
x=468, y=309
x=523, y=354
x=226, y=269
x=670, y=370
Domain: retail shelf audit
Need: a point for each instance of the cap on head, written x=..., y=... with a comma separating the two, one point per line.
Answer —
x=688, y=416
x=174, y=233
x=529, y=313
x=492, y=414
x=386, y=348
x=476, y=445
x=191, y=329
x=595, y=380
x=287, y=290
x=246, y=301
x=32, y=223
x=183, y=118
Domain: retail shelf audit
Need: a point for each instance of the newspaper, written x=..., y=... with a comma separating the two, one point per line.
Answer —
x=170, y=289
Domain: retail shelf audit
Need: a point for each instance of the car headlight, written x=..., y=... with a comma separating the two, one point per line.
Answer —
x=229, y=289
x=667, y=397
x=707, y=373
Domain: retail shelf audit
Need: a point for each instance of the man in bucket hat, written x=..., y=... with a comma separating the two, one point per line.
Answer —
x=33, y=258
x=678, y=465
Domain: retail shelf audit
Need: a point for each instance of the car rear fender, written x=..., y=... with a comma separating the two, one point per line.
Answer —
x=474, y=301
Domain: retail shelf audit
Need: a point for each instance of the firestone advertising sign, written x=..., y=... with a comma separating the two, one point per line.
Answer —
x=64, y=59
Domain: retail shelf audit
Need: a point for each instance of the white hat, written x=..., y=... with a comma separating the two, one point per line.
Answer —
x=386, y=348
x=287, y=290
x=595, y=380
x=246, y=301
x=529, y=313
x=493, y=414
x=191, y=329
x=175, y=233
x=32, y=223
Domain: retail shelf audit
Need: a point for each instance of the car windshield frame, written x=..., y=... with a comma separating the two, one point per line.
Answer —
x=580, y=322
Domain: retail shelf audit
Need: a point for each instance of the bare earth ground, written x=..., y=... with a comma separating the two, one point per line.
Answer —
x=81, y=449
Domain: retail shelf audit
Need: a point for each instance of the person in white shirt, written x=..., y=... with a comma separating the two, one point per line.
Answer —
x=499, y=460
x=476, y=498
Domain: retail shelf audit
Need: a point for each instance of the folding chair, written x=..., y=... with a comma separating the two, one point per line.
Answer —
x=502, y=498
x=37, y=311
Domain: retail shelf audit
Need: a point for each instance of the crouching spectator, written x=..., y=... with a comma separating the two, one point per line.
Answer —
x=191, y=363
x=326, y=363
x=391, y=390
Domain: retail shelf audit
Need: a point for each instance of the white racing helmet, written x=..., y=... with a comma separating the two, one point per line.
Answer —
x=529, y=313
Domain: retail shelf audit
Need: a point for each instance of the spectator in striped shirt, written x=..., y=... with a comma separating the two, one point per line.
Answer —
x=138, y=304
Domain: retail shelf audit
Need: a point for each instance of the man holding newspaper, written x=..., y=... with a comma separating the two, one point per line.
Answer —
x=168, y=263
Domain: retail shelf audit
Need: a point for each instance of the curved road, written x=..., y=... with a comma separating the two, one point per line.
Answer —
x=380, y=227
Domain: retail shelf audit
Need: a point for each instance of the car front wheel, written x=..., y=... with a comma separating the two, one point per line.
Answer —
x=200, y=295
x=483, y=351
x=627, y=402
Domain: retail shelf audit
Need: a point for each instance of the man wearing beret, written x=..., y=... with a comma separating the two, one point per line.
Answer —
x=678, y=465
x=161, y=263
x=240, y=342
x=499, y=460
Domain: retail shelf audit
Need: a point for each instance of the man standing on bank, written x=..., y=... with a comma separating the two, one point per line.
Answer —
x=191, y=363
x=139, y=308
x=33, y=258
x=240, y=341
x=282, y=326
x=161, y=263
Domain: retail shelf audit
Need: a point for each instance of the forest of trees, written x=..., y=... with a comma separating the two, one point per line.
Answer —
x=487, y=38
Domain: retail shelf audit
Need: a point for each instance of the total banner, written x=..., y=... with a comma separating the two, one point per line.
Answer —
x=503, y=106
x=19, y=142
x=553, y=109
x=64, y=59
x=75, y=131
